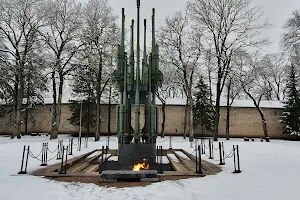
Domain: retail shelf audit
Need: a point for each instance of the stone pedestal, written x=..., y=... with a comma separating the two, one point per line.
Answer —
x=130, y=154
x=126, y=175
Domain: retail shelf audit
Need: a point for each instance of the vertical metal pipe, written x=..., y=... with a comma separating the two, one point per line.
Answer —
x=160, y=162
x=66, y=161
x=62, y=163
x=238, y=158
x=46, y=152
x=23, y=156
x=71, y=148
x=196, y=151
x=200, y=162
x=212, y=150
x=132, y=52
x=209, y=144
x=153, y=111
x=223, y=152
x=101, y=162
x=220, y=153
x=157, y=154
x=125, y=97
x=234, y=159
x=137, y=90
x=123, y=32
x=28, y=149
x=153, y=28
x=144, y=51
x=80, y=119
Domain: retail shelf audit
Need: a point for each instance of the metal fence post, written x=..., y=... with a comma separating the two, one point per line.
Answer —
x=238, y=170
x=70, y=146
x=209, y=145
x=61, y=171
x=101, y=162
x=221, y=153
x=200, y=162
x=23, y=158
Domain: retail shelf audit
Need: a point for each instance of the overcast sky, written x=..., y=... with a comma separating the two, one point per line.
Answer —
x=276, y=11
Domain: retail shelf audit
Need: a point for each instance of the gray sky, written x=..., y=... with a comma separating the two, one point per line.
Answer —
x=276, y=11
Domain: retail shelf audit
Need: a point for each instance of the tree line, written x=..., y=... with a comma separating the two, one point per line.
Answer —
x=212, y=50
x=43, y=43
x=208, y=50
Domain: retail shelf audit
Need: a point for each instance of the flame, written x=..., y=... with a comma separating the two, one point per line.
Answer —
x=140, y=166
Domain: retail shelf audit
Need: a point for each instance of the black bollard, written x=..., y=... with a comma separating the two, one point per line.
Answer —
x=223, y=152
x=157, y=154
x=108, y=141
x=196, y=151
x=220, y=152
x=200, y=162
x=212, y=150
x=27, y=159
x=202, y=146
x=101, y=161
x=23, y=157
x=25, y=153
x=238, y=159
x=210, y=154
x=160, y=161
x=236, y=170
x=79, y=144
x=106, y=158
x=44, y=154
x=59, y=149
x=170, y=142
x=71, y=146
x=63, y=167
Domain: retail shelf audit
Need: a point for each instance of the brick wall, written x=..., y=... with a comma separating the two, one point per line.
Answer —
x=244, y=122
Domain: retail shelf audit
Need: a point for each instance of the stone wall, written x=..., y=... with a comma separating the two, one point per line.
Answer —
x=245, y=122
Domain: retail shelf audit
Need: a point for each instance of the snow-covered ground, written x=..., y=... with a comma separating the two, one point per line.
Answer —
x=269, y=171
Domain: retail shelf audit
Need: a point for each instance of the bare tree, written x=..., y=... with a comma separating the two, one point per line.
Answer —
x=61, y=36
x=229, y=25
x=251, y=78
x=19, y=25
x=275, y=75
x=233, y=88
x=100, y=36
x=291, y=36
x=181, y=51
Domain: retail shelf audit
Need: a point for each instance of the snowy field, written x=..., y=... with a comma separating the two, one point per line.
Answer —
x=270, y=171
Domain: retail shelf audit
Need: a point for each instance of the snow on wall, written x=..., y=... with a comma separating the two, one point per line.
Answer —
x=182, y=101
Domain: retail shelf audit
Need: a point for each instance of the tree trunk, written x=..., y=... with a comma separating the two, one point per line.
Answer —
x=109, y=112
x=98, y=109
x=262, y=116
x=217, y=119
x=162, y=133
x=210, y=90
x=89, y=114
x=27, y=110
x=227, y=122
x=16, y=88
x=27, y=104
x=228, y=111
x=264, y=124
x=56, y=107
x=20, y=95
x=185, y=119
x=191, y=129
